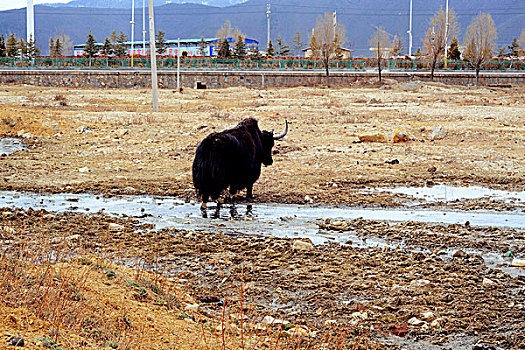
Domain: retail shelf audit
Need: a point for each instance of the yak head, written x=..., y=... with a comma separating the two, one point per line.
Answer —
x=268, y=141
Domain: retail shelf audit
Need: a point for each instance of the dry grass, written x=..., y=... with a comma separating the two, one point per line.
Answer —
x=61, y=289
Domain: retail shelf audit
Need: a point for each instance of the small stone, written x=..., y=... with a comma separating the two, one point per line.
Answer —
x=372, y=137
x=73, y=238
x=115, y=227
x=518, y=262
x=488, y=282
x=400, y=136
x=438, y=133
x=414, y=321
x=295, y=331
x=410, y=86
x=192, y=307
x=428, y=315
x=83, y=170
x=302, y=246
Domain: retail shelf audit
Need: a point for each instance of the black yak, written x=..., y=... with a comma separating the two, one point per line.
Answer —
x=232, y=158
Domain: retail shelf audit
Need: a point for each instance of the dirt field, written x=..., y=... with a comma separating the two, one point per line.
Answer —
x=426, y=290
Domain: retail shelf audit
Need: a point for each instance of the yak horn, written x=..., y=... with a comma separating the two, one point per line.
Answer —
x=283, y=134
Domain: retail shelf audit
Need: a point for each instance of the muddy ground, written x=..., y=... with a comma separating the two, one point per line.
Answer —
x=424, y=290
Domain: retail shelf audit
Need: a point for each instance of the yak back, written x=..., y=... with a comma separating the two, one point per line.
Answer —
x=228, y=158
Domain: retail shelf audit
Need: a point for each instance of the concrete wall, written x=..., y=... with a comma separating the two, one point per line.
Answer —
x=222, y=79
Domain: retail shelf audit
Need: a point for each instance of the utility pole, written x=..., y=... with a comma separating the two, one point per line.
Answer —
x=30, y=21
x=153, y=56
x=268, y=25
x=446, y=34
x=410, y=31
x=144, y=27
x=132, y=29
x=178, y=64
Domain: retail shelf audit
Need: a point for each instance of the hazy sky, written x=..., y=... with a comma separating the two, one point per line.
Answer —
x=16, y=4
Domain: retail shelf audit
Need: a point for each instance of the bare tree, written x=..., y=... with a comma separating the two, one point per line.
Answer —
x=327, y=38
x=522, y=41
x=380, y=43
x=438, y=36
x=480, y=41
x=67, y=44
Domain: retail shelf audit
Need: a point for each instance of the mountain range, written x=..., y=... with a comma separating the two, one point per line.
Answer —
x=193, y=20
x=139, y=3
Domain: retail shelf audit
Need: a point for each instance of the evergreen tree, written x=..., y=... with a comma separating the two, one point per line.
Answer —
x=239, y=50
x=3, y=49
x=397, y=46
x=119, y=49
x=51, y=47
x=12, y=46
x=270, y=50
x=224, y=49
x=91, y=48
x=282, y=48
x=297, y=43
x=22, y=48
x=453, y=51
x=160, y=42
x=107, y=48
x=32, y=50
x=514, y=48
x=58, y=47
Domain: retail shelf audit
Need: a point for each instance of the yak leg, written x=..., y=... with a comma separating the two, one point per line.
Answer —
x=204, y=206
x=249, y=191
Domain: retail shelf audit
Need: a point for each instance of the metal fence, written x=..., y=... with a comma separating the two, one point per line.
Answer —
x=265, y=64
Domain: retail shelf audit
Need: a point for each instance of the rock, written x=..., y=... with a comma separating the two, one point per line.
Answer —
x=488, y=282
x=419, y=283
x=15, y=341
x=436, y=323
x=302, y=246
x=438, y=133
x=360, y=315
x=192, y=307
x=460, y=254
x=73, y=238
x=298, y=331
x=20, y=133
x=271, y=320
x=372, y=137
x=115, y=227
x=414, y=321
x=428, y=315
x=83, y=170
x=518, y=262
x=308, y=199
x=410, y=86
x=401, y=136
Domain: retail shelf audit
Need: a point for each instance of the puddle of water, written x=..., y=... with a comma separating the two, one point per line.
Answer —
x=446, y=193
x=261, y=219
x=10, y=145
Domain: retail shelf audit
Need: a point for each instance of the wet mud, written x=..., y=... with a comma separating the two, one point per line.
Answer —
x=439, y=296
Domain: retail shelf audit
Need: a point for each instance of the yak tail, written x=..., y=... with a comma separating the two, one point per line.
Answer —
x=212, y=166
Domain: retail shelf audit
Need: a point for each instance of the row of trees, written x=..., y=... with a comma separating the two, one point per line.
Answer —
x=479, y=42
x=17, y=47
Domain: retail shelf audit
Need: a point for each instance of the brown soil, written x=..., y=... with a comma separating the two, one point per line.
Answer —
x=334, y=296
x=127, y=149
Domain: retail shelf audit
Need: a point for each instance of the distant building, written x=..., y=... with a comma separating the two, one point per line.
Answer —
x=347, y=53
x=188, y=47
